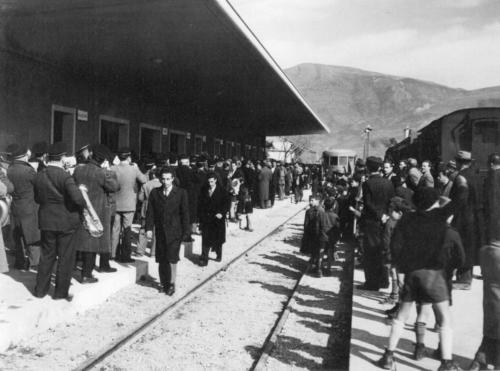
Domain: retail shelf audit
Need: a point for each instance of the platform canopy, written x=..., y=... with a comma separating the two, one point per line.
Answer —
x=196, y=56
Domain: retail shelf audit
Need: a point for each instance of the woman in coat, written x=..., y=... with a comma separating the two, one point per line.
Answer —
x=100, y=183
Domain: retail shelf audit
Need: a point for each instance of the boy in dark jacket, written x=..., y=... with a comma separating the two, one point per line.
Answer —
x=312, y=229
x=330, y=234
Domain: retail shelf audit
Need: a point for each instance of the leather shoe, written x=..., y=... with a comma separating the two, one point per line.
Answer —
x=171, y=289
x=203, y=262
x=218, y=258
x=107, y=270
x=86, y=280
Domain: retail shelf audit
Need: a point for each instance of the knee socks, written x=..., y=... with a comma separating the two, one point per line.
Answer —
x=446, y=340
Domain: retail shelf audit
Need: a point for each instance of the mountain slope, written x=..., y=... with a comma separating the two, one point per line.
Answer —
x=349, y=99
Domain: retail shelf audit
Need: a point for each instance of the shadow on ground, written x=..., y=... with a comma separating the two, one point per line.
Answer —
x=299, y=352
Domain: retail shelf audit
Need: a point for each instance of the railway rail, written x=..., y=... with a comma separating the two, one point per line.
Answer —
x=139, y=331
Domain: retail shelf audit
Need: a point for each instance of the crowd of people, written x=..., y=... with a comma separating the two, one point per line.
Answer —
x=417, y=228
x=55, y=203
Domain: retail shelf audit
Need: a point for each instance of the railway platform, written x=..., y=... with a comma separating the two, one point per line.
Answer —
x=23, y=316
x=370, y=329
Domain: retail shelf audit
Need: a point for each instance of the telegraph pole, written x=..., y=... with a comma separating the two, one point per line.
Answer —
x=366, y=149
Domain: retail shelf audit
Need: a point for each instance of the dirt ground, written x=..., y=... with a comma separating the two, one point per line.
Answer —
x=221, y=328
x=225, y=325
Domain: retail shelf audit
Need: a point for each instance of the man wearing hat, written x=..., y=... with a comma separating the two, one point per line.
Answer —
x=100, y=184
x=83, y=154
x=60, y=203
x=24, y=210
x=129, y=177
x=377, y=192
x=464, y=193
x=40, y=155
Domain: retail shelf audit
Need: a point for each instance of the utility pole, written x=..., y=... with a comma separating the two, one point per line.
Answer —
x=366, y=149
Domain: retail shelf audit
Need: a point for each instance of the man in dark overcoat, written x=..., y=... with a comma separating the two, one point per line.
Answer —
x=24, y=210
x=60, y=203
x=265, y=178
x=377, y=192
x=100, y=182
x=168, y=214
x=464, y=193
x=212, y=209
x=187, y=180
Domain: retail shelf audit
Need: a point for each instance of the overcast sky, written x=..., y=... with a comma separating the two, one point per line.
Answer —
x=450, y=42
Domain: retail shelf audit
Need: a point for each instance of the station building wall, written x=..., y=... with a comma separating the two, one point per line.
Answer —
x=43, y=102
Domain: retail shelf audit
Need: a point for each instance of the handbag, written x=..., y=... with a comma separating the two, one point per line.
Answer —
x=4, y=210
x=90, y=219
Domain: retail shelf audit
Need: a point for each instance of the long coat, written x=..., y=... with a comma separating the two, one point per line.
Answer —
x=213, y=230
x=490, y=268
x=265, y=177
x=24, y=210
x=169, y=216
x=466, y=199
x=100, y=183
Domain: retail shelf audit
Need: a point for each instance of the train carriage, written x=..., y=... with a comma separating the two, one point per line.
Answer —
x=476, y=130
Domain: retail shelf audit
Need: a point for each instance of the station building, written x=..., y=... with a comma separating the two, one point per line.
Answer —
x=181, y=76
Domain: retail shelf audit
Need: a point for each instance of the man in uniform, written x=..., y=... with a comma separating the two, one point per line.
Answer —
x=60, y=205
x=377, y=192
x=24, y=209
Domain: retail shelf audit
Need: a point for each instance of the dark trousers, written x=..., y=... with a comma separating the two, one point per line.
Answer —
x=88, y=263
x=124, y=250
x=61, y=247
x=26, y=255
x=104, y=260
x=205, y=249
x=376, y=276
x=165, y=273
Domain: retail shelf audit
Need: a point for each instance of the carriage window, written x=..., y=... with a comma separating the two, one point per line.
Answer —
x=488, y=131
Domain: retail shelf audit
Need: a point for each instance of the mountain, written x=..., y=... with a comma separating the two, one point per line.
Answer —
x=348, y=99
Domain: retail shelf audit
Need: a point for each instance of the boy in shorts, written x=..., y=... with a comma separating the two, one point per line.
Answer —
x=418, y=252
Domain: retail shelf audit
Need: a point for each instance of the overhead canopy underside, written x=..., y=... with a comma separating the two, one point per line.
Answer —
x=195, y=56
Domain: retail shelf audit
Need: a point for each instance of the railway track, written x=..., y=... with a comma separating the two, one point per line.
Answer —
x=107, y=354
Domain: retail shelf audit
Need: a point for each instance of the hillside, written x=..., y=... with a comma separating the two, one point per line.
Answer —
x=349, y=99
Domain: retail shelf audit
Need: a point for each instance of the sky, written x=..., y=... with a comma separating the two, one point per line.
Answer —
x=450, y=42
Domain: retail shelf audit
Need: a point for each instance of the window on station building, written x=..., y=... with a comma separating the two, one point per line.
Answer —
x=114, y=132
x=199, y=144
x=247, y=151
x=229, y=149
x=218, y=143
x=150, y=139
x=63, y=126
x=177, y=142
